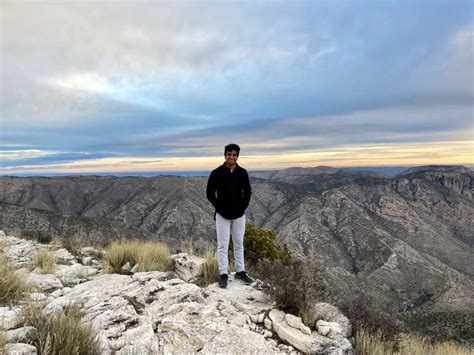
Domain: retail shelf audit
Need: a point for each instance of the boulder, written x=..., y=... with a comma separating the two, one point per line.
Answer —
x=306, y=343
x=329, y=313
x=46, y=282
x=188, y=267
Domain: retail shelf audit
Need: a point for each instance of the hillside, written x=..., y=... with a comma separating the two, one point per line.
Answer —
x=408, y=238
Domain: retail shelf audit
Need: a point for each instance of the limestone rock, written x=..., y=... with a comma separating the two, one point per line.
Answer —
x=306, y=343
x=37, y=296
x=296, y=322
x=9, y=317
x=329, y=313
x=126, y=267
x=20, y=349
x=268, y=324
x=323, y=327
x=74, y=274
x=63, y=256
x=23, y=334
x=19, y=251
x=188, y=267
x=46, y=282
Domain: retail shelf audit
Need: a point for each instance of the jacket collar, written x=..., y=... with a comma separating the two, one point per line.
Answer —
x=237, y=166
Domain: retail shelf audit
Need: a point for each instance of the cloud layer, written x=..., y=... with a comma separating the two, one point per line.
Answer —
x=158, y=82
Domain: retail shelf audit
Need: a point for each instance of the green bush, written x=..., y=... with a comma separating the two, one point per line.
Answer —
x=260, y=244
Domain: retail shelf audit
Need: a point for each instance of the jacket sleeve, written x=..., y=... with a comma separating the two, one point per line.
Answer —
x=211, y=189
x=247, y=190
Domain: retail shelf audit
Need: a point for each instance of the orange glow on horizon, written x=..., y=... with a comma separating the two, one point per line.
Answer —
x=459, y=152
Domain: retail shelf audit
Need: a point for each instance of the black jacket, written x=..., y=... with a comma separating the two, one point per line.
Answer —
x=233, y=191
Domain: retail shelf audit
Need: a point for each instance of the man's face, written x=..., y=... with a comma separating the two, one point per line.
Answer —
x=231, y=157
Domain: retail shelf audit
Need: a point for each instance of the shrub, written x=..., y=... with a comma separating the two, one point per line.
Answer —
x=375, y=342
x=295, y=284
x=60, y=333
x=368, y=312
x=40, y=236
x=44, y=260
x=260, y=244
x=72, y=244
x=14, y=285
x=148, y=255
x=417, y=345
x=367, y=343
x=453, y=325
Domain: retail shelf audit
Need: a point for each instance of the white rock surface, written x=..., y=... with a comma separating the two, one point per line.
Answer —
x=323, y=327
x=74, y=274
x=329, y=313
x=46, y=282
x=20, y=349
x=161, y=312
x=188, y=267
x=306, y=343
x=37, y=296
x=19, y=251
x=296, y=322
x=63, y=256
x=9, y=317
x=20, y=334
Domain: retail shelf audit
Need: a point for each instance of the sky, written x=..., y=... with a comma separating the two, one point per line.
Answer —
x=130, y=86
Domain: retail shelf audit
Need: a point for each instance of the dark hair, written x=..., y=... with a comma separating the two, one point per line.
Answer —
x=231, y=147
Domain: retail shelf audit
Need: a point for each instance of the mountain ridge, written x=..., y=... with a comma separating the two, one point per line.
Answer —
x=405, y=236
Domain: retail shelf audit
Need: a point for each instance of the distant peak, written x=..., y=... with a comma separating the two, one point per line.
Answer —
x=437, y=168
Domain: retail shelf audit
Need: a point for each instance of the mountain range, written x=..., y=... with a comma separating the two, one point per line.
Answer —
x=408, y=237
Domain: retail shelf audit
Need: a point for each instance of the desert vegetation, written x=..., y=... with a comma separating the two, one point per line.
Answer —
x=14, y=284
x=64, y=332
x=144, y=256
x=44, y=260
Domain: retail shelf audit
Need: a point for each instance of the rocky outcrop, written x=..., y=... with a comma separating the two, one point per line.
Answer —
x=159, y=312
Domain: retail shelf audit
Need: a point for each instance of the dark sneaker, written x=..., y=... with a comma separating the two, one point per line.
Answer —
x=223, y=281
x=242, y=275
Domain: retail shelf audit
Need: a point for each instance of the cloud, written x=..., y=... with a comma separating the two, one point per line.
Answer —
x=163, y=79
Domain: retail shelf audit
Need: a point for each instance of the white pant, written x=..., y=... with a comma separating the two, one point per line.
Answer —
x=224, y=227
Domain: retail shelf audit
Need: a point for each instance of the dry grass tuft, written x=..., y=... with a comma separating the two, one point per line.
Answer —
x=148, y=256
x=188, y=246
x=45, y=260
x=372, y=343
x=61, y=333
x=376, y=343
x=210, y=269
x=14, y=285
x=417, y=345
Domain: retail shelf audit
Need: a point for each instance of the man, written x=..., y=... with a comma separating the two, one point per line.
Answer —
x=232, y=184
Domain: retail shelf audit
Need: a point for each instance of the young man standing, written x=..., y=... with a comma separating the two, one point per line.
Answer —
x=232, y=184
